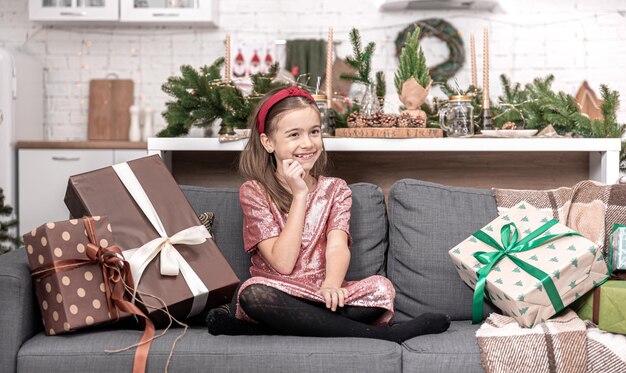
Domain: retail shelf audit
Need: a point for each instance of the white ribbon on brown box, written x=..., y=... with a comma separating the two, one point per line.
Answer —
x=172, y=262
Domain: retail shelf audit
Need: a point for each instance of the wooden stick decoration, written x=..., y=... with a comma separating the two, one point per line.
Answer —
x=227, y=72
x=329, y=67
x=486, y=68
x=473, y=57
x=487, y=120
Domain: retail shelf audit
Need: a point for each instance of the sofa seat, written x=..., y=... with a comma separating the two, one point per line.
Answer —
x=455, y=350
x=199, y=351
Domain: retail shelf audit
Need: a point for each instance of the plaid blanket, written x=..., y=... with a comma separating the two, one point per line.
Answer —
x=562, y=344
x=589, y=207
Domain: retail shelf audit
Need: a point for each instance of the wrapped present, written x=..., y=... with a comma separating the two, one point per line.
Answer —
x=174, y=260
x=605, y=306
x=81, y=278
x=529, y=265
x=617, y=250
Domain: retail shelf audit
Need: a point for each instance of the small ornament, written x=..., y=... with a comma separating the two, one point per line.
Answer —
x=239, y=68
x=588, y=102
x=509, y=126
x=269, y=61
x=255, y=64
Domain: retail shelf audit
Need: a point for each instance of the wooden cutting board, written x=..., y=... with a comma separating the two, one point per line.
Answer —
x=109, y=103
x=389, y=133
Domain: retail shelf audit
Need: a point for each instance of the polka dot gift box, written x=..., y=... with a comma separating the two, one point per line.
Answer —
x=70, y=286
x=528, y=265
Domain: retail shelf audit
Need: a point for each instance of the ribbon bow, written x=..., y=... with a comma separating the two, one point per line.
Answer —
x=510, y=245
x=172, y=262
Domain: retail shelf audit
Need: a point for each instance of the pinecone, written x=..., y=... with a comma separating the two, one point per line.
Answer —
x=389, y=120
x=419, y=122
x=405, y=120
x=353, y=119
x=375, y=120
x=509, y=126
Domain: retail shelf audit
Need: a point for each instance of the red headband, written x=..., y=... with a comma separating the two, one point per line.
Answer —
x=276, y=98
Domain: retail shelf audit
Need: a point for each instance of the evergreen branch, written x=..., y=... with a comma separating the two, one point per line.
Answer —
x=362, y=59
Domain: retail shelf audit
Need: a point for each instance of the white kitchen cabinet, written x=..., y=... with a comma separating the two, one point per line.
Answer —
x=125, y=155
x=42, y=180
x=170, y=11
x=155, y=12
x=73, y=10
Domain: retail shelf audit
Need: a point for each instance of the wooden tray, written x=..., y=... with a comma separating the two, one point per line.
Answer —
x=389, y=133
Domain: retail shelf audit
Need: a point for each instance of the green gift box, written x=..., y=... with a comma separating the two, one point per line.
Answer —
x=610, y=306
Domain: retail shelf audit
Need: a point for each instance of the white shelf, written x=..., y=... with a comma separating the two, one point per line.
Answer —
x=158, y=144
x=603, y=153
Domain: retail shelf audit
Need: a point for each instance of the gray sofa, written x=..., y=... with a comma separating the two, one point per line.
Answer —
x=407, y=241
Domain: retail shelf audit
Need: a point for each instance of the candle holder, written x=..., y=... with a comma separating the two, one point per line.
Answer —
x=487, y=119
x=326, y=115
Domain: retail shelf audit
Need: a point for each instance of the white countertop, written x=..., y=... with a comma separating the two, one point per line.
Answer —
x=157, y=144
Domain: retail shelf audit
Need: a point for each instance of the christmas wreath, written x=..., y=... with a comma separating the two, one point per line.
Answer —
x=444, y=31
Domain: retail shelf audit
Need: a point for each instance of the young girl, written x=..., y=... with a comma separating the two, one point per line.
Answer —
x=296, y=228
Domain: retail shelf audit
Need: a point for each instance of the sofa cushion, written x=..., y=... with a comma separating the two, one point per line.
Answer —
x=426, y=220
x=199, y=351
x=455, y=350
x=368, y=227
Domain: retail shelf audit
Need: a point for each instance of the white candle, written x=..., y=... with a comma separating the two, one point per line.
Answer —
x=227, y=71
x=486, y=68
x=473, y=60
x=329, y=67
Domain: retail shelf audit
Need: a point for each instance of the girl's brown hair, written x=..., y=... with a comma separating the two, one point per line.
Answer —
x=255, y=163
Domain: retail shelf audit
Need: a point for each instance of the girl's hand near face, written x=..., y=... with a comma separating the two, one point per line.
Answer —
x=294, y=176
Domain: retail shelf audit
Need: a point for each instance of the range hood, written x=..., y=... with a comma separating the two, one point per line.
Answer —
x=397, y=5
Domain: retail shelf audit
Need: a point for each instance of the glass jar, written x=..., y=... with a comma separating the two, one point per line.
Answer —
x=456, y=116
x=369, y=102
x=327, y=122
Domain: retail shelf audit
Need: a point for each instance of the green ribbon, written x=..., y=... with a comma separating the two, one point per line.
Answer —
x=511, y=245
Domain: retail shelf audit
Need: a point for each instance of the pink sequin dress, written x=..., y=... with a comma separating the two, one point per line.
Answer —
x=327, y=208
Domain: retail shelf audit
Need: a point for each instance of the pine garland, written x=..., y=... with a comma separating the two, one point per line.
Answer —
x=412, y=62
x=8, y=241
x=201, y=97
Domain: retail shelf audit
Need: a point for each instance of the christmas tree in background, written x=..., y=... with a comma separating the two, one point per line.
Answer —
x=412, y=63
x=8, y=241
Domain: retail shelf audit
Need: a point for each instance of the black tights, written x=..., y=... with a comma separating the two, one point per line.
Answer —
x=280, y=313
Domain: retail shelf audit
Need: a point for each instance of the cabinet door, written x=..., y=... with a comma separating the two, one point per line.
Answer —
x=42, y=180
x=73, y=10
x=169, y=11
x=125, y=155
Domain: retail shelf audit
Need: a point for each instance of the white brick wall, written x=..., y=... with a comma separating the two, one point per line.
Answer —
x=575, y=40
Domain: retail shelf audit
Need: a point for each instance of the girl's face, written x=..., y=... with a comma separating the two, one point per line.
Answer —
x=297, y=136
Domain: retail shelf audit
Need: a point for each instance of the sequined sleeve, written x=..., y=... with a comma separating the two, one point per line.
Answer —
x=258, y=222
x=339, y=217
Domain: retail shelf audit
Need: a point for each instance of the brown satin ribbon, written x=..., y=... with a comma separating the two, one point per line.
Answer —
x=117, y=278
x=595, y=316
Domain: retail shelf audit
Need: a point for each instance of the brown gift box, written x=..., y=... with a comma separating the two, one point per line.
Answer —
x=101, y=192
x=73, y=296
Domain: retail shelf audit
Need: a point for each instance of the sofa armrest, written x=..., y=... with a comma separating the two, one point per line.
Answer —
x=20, y=317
